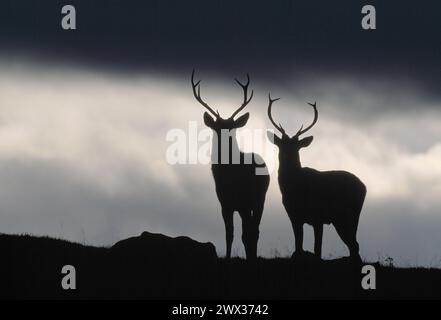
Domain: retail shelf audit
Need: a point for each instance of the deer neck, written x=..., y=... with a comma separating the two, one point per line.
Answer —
x=289, y=164
x=225, y=149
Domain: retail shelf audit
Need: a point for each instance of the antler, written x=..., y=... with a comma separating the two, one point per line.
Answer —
x=245, y=95
x=302, y=131
x=280, y=128
x=197, y=95
x=270, y=104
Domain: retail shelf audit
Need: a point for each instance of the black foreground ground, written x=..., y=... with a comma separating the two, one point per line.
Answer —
x=153, y=266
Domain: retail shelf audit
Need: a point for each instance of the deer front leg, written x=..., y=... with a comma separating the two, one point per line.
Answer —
x=298, y=235
x=318, y=237
x=248, y=234
x=227, y=215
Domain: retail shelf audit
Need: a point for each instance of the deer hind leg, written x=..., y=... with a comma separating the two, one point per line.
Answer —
x=227, y=215
x=348, y=233
x=354, y=248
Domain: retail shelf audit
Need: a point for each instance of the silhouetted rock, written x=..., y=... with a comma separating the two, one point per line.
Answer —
x=154, y=265
x=158, y=246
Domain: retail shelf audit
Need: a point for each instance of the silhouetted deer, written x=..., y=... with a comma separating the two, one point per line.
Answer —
x=316, y=197
x=238, y=187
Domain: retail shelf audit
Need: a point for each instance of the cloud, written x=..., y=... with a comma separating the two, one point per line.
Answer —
x=82, y=156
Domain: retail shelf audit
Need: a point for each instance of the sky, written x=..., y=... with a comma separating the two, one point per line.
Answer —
x=84, y=116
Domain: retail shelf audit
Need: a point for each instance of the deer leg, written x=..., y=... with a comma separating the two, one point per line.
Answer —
x=318, y=237
x=257, y=216
x=229, y=230
x=298, y=235
x=247, y=232
x=349, y=238
x=354, y=248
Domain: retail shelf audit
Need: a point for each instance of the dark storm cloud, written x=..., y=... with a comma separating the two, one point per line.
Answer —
x=274, y=39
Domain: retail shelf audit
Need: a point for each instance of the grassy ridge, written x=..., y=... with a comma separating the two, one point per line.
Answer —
x=31, y=268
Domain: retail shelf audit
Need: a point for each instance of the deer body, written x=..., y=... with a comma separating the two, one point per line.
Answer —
x=240, y=186
x=317, y=197
x=239, y=189
x=323, y=197
x=237, y=184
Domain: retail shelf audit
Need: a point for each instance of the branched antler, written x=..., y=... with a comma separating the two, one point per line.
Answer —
x=279, y=126
x=197, y=94
x=302, y=131
x=246, y=100
x=270, y=104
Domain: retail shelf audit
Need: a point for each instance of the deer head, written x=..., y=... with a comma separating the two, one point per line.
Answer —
x=218, y=123
x=289, y=146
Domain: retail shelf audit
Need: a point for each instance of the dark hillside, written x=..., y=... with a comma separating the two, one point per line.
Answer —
x=155, y=266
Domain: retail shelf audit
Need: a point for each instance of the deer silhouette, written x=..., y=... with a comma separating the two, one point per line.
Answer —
x=240, y=186
x=316, y=197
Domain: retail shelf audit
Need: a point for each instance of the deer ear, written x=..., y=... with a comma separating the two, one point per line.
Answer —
x=305, y=142
x=242, y=120
x=273, y=138
x=208, y=120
